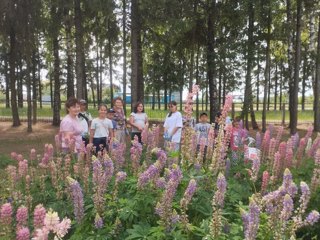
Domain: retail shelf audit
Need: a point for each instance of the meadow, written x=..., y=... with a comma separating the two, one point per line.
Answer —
x=266, y=189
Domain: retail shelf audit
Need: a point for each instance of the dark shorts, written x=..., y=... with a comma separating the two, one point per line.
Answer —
x=100, y=144
x=138, y=134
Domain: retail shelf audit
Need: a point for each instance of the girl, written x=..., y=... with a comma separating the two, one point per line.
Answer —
x=101, y=130
x=138, y=120
x=119, y=117
x=70, y=127
x=173, y=126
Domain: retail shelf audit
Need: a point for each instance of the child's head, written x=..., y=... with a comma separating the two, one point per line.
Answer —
x=217, y=117
x=203, y=117
x=236, y=122
x=102, y=110
x=110, y=113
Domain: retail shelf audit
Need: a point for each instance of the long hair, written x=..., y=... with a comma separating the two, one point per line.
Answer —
x=135, y=108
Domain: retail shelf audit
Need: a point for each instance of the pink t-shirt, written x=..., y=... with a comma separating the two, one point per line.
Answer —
x=69, y=124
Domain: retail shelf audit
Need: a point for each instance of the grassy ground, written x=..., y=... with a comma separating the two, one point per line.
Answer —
x=272, y=116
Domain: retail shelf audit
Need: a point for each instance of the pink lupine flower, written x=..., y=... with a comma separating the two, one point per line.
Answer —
x=23, y=168
x=315, y=181
x=41, y=234
x=6, y=214
x=265, y=181
x=39, y=216
x=62, y=228
x=309, y=132
x=272, y=148
x=33, y=154
x=276, y=166
x=289, y=157
x=300, y=151
x=14, y=155
x=282, y=150
x=23, y=234
x=22, y=216
x=51, y=220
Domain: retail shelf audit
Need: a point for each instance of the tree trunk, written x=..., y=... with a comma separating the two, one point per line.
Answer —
x=269, y=90
x=275, y=88
x=297, y=58
x=267, y=72
x=80, y=56
x=248, y=98
x=39, y=81
x=197, y=81
x=20, y=84
x=110, y=64
x=159, y=99
x=258, y=81
x=281, y=86
x=12, y=63
x=290, y=39
x=6, y=75
x=28, y=85
x=34, y=88
x=97, y=72
x=137, y=83
x=56, y=75
x=124, y=46
x=153, y=99
x=317, y=87
x=304, y=76
x=211, y=66
x=69, y=51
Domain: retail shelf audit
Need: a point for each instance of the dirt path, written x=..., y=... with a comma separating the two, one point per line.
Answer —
x=17, y=139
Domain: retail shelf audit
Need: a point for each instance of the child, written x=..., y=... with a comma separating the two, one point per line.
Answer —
x=202, y=128
x=101, y=130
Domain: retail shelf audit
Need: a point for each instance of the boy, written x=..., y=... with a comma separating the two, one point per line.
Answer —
x=202, y=128
x=85, y=119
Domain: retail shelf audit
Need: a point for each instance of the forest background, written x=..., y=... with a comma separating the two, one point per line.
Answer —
x=98, y=49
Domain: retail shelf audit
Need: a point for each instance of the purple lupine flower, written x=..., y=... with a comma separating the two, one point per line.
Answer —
x=77, y=197
x=153, y=170
x=164, y=207
x=161, y=183
x=98, y=221
x=108, y=168
x=312, y=218
x=251, y=220
x=258, y=140
x=6, y=214
x=192, y=186
x=135, y=154
x=23, y=234
x=282, y=150
x=39, y=216
x=22, y=216
x=305, y=196
x=221, y=190
x=121, y=176
x=287, y=208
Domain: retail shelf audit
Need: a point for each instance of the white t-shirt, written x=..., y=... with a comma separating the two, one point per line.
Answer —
x=101, y=127
x=84, y=122
x=175, y=120
x=139, y=119
x=203, y=130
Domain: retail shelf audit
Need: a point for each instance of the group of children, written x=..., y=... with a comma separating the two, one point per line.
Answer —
x=110, y=125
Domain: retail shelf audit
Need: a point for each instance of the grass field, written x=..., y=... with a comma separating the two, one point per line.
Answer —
x=272, y=116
